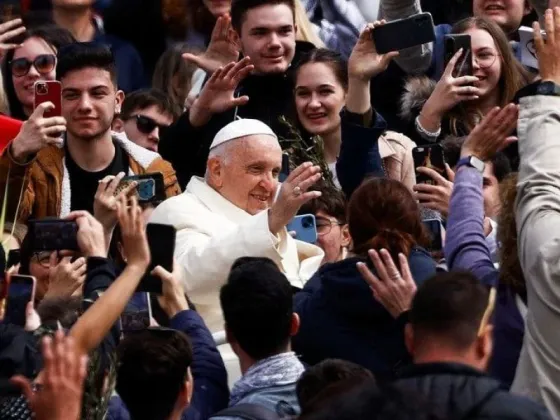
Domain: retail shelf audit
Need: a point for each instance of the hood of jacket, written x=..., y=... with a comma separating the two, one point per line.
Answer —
x=416, y=92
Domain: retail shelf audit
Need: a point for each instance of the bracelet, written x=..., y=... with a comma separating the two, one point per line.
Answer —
x=428, y=135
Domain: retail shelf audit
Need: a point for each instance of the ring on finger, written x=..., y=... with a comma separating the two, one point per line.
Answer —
x=297, y=191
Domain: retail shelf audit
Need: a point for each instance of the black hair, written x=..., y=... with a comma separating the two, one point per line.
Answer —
x=449, y=307
x=257, y=306
x=55, y=36
x=332, y=202
x=82, y=55
x=240, y=7
x=152, y=369
x=145, y=98
x=333, y=59
x=65, y=310
x=328, y=372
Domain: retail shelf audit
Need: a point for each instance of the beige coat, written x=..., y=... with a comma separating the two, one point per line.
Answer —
x=395, y=150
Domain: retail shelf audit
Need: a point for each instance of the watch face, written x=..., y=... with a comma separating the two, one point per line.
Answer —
x=543, y=88
x=477, y=164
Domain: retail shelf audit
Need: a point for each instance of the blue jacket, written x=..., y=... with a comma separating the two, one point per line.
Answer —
x=211, y=393
x=341, y=319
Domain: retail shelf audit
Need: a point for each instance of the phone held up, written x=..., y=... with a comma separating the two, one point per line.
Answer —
x=150, y=188
x=137, y=313
x=404, y=33
x=452, y=44
x=20, y=291
x=49, y=91
x=430, y=157
x=51, y=234
x=435, y=230
x=305, y=228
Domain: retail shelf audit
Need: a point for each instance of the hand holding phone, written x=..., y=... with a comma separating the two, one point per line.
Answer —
x=137, y=314
x=49, y=91
x=149, y=187
x=455, y=43
x=21, y=291
x=305, y=228
x=404, y=33
x=51, y=234
x=429, y=157
x=435, y=229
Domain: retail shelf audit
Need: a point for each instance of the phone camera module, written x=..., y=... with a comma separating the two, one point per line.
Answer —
x=307, y=222
x=42, y=89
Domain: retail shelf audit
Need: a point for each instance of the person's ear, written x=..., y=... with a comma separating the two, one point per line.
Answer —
x=295, y=323
x=527, y=8
x=119, y=98
x=409, y=338
x=484, y=346
x=118, y=125
x=345, y=233
x=215, y=170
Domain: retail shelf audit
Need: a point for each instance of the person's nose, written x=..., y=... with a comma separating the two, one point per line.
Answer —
x=314, y=101
x=33, y=73
x=154, y=134
x=274, y=41
x=269, y=181
x=85, y=104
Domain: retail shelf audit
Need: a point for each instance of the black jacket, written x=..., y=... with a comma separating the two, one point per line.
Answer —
x=460, y=392
x=270, y=96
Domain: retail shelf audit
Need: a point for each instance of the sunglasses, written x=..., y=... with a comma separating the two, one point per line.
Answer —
x=146, y=124
x=44, y=64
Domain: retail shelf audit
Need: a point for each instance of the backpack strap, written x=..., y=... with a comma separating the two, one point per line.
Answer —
x=248, y=411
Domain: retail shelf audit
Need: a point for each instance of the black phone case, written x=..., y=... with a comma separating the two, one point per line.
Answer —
x=161, y=240
x=404, y=33
x=431, y=157
x=452, y=44
x=52, y=234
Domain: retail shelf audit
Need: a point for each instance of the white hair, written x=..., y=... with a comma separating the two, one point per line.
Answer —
x=223, y=153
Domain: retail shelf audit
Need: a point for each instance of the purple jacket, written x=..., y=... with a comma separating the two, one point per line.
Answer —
x=466, y=249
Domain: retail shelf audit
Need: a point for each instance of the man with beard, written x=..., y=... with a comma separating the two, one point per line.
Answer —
x=58, y=174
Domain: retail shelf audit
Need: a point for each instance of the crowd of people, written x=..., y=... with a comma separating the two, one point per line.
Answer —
x=237, y=118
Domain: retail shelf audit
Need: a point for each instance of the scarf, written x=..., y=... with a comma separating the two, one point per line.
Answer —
x=278, y=370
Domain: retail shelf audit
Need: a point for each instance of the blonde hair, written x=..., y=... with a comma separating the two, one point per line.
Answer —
x=306, y=32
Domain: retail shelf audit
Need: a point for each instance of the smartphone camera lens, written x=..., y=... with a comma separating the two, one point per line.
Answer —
x=307, y=222
x=42, y=89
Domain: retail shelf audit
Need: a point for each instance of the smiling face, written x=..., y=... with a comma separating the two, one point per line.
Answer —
x=268, y=36
x=246, y=173
x=506, y=13
x=487, y=63
x=23, y=85
x=143, y=128
x=89, y=100
x=217, y=7
x=319, y=98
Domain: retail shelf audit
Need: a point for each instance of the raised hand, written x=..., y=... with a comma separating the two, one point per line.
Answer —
x=293, y=194
x=222, y=49
x=392, y=288
x=173, y=298
x=437, y=196
x=91, y=238
x=66, y=278
x=37, y=133
x=133, y=233
x=8, y=31
x=548, y=52
x=105, y=200
x=364, y=62
x=217, y=95
x=492, y=134
x=449, y=92
x=62, y=381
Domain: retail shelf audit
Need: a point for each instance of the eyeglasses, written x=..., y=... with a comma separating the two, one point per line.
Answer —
x=324, y=226
x=485, y=59
x=146, y=124
x=43, y=258
x=44, y=64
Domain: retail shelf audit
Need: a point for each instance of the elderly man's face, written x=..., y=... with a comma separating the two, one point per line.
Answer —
x=248, y=175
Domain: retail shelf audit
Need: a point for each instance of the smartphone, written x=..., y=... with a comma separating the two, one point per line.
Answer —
x=9, y=129
x=150, y=188
x=431, y=157
x=305, y=228
x=49, y=91
x=53, y=235
x=14, y=258
x=161, y=240
x=137, y=314
x=435, y=229
x=452, y=44
x=404, y=33
x=285, y=171
x=21, y=291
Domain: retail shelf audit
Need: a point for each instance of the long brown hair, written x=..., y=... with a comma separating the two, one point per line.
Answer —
x=512, y=78
x=382, y=213
x=511, y=273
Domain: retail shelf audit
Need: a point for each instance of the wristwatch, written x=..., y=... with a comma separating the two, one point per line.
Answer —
x=471, y=161
x=547, y=88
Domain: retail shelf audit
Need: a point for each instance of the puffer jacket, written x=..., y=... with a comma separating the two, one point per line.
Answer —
x=45, y=184
x=460, y=392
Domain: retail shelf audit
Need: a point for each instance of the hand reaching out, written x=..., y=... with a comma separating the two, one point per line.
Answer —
x=392, y=288
x=222, y=49
x=548, y=52
x=293, y=194
x=133, y=233
x=437, y=196
x=62, y=381
x=173, y=299
x=91, y=238
x=217, y=95
x=105, y=201
x=364, y=62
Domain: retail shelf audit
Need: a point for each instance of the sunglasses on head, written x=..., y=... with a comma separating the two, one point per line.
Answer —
x=44, y=63
x=146, y=124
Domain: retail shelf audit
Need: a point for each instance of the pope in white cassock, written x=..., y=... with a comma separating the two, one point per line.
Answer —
x=237, y=211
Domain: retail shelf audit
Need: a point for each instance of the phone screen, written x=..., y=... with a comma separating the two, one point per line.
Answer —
x=54, y=235
x=430, y=157
x=137, y=313
x=434, y=228
x=20, y=293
